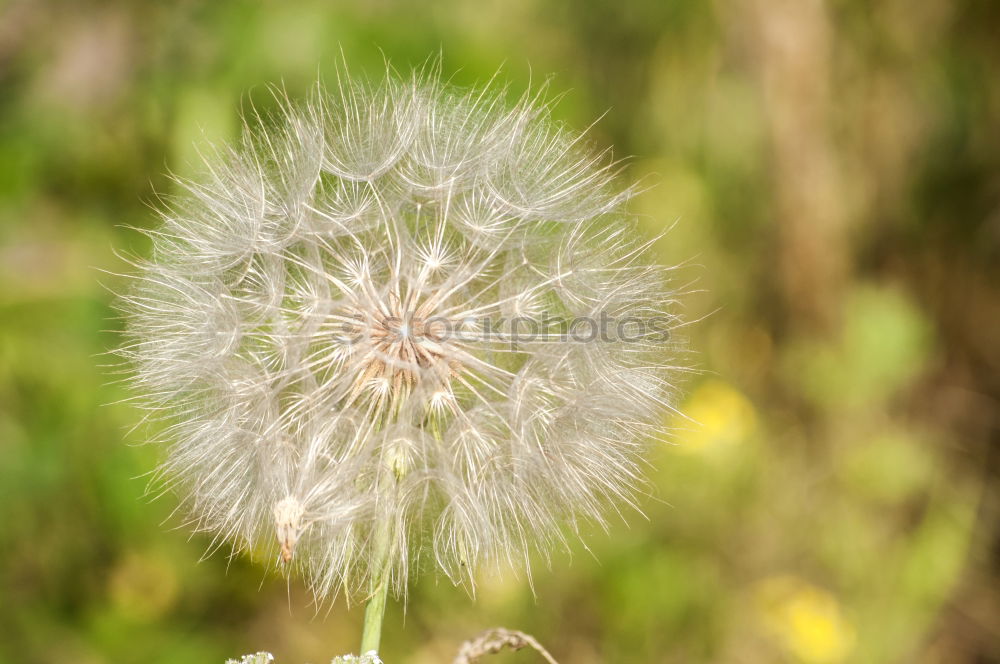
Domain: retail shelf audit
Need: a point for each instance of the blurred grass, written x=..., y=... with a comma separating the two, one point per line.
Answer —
x=829, y=171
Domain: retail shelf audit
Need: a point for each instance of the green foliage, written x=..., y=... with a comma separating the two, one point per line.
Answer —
x=815, y=511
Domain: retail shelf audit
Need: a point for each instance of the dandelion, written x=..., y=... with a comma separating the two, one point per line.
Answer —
x=333, y=323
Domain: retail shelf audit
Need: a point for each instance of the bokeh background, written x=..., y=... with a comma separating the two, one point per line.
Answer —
x=830, y=172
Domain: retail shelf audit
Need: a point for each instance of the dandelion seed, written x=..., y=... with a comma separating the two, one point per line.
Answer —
x=311, y=327
x=288, y=525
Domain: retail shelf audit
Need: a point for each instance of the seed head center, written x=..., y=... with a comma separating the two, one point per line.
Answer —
x=397, y=349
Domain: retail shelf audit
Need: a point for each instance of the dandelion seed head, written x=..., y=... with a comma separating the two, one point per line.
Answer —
x=310, y=326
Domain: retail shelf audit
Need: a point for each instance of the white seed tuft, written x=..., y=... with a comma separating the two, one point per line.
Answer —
x=320, y=325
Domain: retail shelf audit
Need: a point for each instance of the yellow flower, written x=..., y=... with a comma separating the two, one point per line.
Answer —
x=805, y=620
x=717, y=416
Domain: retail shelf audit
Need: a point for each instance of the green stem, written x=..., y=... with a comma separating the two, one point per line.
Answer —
x=375, y=610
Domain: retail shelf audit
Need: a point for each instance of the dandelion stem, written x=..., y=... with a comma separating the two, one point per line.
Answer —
x=375, y=609
x=373, y=616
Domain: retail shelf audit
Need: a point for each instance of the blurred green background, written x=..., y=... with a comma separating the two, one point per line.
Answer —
x=831, y=174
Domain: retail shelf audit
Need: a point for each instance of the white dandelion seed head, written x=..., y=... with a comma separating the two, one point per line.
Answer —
x=311, y=327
